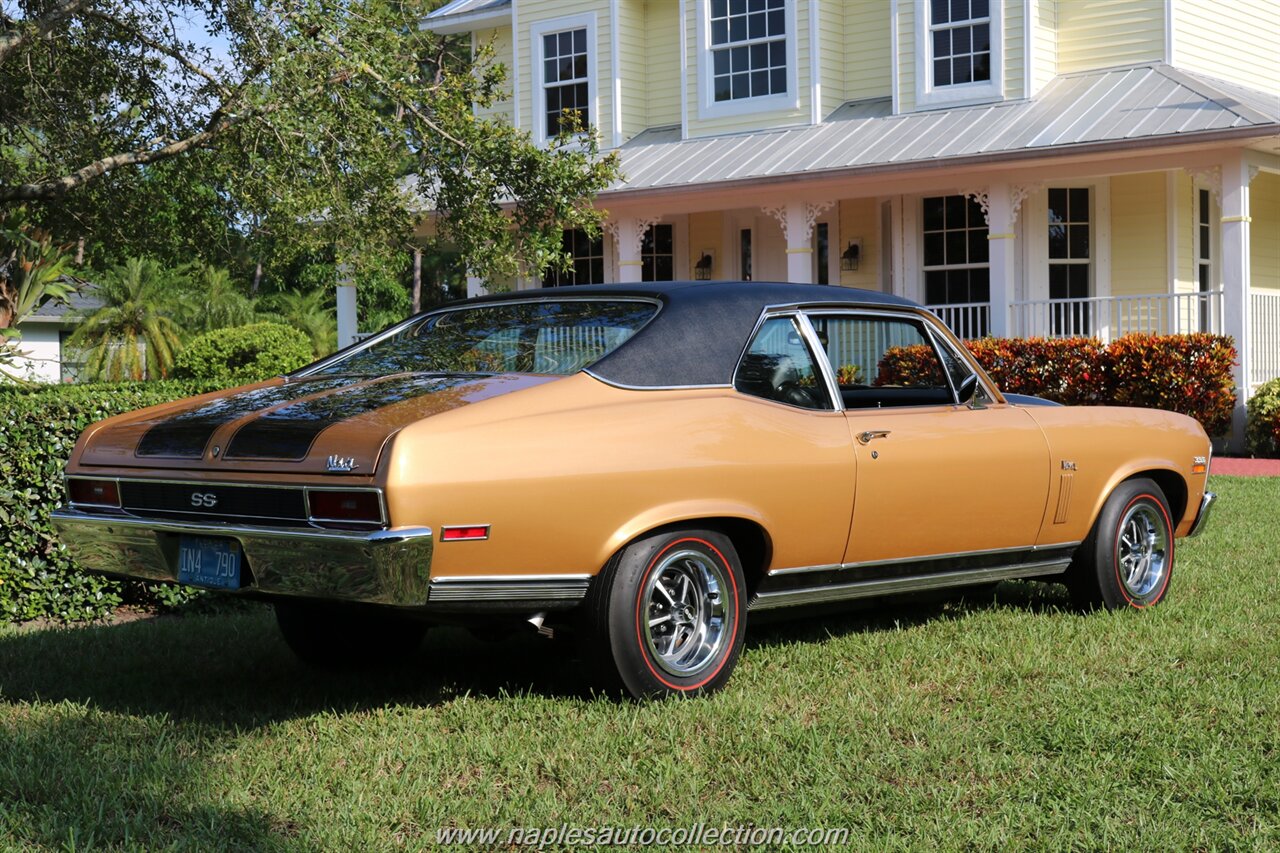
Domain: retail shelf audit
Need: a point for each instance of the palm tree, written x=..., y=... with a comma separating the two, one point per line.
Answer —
x=130, y=336
x=310, y=313
x=211, y=300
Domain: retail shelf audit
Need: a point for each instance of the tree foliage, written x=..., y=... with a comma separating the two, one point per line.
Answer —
x=299, y=120
x=130, y=336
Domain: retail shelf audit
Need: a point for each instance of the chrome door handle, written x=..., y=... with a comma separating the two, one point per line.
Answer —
x=865, y=437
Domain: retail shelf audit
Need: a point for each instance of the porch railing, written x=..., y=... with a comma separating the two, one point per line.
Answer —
x=1264, y=320
x=1109, y=317
x=968, y=320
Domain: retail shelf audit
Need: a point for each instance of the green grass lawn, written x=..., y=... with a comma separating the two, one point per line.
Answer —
x=1012, y=722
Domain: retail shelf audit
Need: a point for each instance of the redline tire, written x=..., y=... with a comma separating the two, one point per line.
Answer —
x=667, y=615
x=1128, y=558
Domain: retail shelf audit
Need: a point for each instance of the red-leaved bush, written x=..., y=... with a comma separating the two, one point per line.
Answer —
x=1190, y=374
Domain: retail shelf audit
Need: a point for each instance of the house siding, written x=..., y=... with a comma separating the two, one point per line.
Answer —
x=503, y=53
x=765, y=120
x=906, y=56
x=1183, y=209
x=1044, y=43
x=661, y=69
x=1103, y=33
x=866, y=51
x=1243, y=46
x=831, y=41
x=632, y=64
x=859, y=220
x=1264, y=254
x=41, y=354
x=705, y=232
x=1015, y=54
x=1139, y=234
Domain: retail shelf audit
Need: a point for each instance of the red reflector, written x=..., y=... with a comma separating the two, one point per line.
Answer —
x=478, y=531
x=99, y=492
x=345, y=506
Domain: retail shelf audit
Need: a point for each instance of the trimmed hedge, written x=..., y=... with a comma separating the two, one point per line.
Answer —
x=1189, y=374
x=1264, y=420
x=243, y=354
x=38, y=429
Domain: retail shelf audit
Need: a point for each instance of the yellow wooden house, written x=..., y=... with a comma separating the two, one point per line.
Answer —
x=1022, y=167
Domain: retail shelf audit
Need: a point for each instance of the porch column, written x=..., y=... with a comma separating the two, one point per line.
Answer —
x=628, y=236
x=1236, y=174
x=1001, y=215
x=796, y=219
x=347, y=321
x=475, y=285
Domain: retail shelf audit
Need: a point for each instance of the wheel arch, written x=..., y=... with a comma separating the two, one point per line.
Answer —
x=747, y=532
x=1172, y=483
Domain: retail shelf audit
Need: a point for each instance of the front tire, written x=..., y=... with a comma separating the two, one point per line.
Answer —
x=333, y=635
x=668, y=614
x=1127, y=559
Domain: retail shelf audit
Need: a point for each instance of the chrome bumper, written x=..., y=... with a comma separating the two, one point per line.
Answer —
x=380, y=567
x=1206, y=504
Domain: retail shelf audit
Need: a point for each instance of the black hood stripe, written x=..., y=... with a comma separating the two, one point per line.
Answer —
x=186, y=435
x=289, y=431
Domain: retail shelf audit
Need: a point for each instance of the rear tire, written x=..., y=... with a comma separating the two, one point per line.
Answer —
x=666, y=616
x=1127, y=559
x=336, y=636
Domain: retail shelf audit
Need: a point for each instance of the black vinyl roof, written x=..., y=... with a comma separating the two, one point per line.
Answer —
x=700, y=331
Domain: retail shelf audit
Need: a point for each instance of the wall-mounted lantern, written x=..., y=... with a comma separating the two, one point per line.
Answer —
x=849, y=257
x=704, y=267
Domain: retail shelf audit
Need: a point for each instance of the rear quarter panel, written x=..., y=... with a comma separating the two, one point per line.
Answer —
x=1108, y=445
x=568, y=472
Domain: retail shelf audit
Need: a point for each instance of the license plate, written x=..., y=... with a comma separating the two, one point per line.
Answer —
x=209, y=562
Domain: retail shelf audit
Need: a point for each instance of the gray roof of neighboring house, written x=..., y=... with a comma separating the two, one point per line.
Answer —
x=453, y=17
x=83, y=301
x=1111, y=108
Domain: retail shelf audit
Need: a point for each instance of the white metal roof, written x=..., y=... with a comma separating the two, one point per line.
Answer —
x=1098, y=109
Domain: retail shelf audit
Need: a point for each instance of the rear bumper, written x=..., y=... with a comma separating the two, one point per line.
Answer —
x=1206, y=504
x=380, y=567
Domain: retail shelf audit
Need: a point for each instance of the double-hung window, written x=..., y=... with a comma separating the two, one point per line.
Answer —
x=1070, y=254
x=747, y=59
x=563, y=75
x=958, y=51
x=957, y=268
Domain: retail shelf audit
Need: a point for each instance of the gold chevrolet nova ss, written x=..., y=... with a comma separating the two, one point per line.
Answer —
x=641, y=467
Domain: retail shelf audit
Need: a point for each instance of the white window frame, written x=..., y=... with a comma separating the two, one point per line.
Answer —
x=1035, y=212
x=539, y=29
x=709, y=107
x=928, y=95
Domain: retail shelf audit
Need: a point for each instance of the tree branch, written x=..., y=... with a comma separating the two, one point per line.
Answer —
x=41, y=27
x=168, y=50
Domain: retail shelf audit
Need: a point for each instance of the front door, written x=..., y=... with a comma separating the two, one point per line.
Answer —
x=933, y=478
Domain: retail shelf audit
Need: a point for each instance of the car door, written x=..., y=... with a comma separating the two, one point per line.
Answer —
x=793, y=446
x=935, y=478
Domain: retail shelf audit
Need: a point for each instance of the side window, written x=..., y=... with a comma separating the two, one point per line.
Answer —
x=881, y=362
x=779, y=366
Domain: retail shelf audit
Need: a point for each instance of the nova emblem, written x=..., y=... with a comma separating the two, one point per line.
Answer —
x=342, y=463
x=204, y=499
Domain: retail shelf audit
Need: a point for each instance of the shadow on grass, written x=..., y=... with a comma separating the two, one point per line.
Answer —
x=232, y=671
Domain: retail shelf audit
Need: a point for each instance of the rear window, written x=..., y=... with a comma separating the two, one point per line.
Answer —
x=555, y=338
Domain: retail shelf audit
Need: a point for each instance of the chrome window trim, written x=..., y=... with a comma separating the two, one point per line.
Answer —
x=954, y=555
x=624, y=387
x=795, y=315
x=822, y=362
x=361, y=346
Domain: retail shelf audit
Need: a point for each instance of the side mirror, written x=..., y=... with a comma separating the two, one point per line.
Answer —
x=965, y=392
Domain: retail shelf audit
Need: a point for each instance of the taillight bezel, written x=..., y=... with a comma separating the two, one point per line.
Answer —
x=73, y=479
x=349, y=523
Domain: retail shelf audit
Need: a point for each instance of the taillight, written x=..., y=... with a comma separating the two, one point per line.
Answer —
x=345, y=507
x=93, y=492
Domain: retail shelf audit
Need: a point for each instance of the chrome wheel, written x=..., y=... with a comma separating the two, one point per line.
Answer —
x=683, y=612
x=1142, y=550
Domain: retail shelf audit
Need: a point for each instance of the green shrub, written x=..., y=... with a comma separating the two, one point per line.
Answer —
x=38, y=429
x=243, y=354
x=1264, y=420
x=1188, y=374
